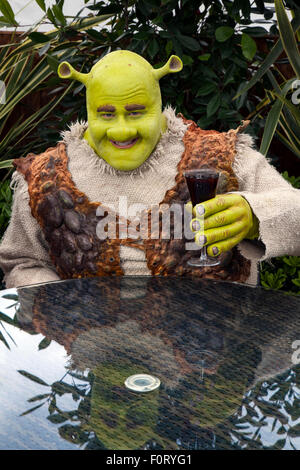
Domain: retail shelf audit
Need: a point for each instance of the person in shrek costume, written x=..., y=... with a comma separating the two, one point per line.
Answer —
x=130, y=150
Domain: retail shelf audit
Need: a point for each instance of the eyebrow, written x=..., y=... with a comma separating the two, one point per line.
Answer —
x=134, y=107
x=107, y=108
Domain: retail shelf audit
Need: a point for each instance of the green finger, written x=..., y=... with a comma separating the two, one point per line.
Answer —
x=212, y=206
x=219, y=233
x=225, y=245
x=223, y=218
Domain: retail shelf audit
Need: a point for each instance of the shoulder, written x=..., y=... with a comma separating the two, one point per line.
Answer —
x=34, y=164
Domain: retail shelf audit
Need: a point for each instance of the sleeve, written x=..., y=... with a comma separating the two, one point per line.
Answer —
x=272, y=199
x=24, y=256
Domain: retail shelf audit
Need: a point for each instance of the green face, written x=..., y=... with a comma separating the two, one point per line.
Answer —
x=124, y=121
x=124, y=106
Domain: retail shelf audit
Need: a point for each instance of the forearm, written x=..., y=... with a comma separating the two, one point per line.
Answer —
x=24, y=255
x=22, y=275
x=278, y=213
x=274, y=203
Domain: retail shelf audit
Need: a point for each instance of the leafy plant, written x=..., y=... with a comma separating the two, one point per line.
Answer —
x=273, y=280
x=204, y=34
x=5, y=319
x=28, y=67
x=5, y=205
x=294, y=180
x=282, y=274
x=284, y=116
x=216, y=41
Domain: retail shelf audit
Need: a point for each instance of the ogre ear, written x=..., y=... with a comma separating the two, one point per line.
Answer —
x=65, y=70
x=173, y=65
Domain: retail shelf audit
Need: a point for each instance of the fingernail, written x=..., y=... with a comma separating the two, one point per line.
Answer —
x=200, y=210
x=201, y=239
x=196, y=225
x=215, y=250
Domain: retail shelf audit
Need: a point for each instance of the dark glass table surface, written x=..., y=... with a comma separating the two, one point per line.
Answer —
x=227, y=356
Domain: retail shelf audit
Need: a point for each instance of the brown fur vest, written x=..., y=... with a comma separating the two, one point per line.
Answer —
x=68, y=219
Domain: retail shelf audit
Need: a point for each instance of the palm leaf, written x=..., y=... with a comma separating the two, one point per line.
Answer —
x=86, y=23
x=17, y=73
x=293, y=109
x=291, y=122
x=17, y=129
x=273, y=115
x=270, y=127
x=3, y=52
x=22, y=78
x=32, y=377
x=288, y=132
x=261, y=106
x=40, y=73
x=288, y=37
x=31, y=409
x=41, y=114
x=20, y=127
x=6, y=164
x=285, y=124
x=30, y=45
x=2, y=123
x=11, y=129
x=4, y=340
x=81, y=25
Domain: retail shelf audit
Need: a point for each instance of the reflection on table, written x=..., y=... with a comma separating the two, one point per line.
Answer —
x=223, y=353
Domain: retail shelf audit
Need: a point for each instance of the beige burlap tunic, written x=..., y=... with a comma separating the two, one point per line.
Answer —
x=24, y=253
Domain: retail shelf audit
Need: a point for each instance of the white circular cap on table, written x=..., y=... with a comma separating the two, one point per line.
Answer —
x=142, y=383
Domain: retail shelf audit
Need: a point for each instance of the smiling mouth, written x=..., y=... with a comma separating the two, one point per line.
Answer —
x=126, y=144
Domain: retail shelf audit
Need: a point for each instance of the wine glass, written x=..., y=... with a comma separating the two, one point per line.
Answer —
x=202, y=185
x=202, y=359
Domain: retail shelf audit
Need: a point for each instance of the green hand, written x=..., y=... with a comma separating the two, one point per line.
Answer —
x=227, y=220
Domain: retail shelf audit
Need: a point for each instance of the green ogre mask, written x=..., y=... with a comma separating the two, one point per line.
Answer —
x=125, y=119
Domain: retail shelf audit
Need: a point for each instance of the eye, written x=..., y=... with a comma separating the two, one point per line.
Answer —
x=135, y=113
x=107, y=115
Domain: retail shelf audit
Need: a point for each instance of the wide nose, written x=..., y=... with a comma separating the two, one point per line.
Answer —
x=121, y=133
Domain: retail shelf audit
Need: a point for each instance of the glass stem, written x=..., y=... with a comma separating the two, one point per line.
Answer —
x=203, y=254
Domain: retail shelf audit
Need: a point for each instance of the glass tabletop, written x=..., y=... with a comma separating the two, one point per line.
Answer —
x=149, y=363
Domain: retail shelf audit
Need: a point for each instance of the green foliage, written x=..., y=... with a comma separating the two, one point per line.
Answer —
x=8, y=14
x=283, y=115
x=28, y=67
x=294, y=180
x=5, y=205
x=216, y=43
x=273, y=280
x=282, y=274
x=248, y=46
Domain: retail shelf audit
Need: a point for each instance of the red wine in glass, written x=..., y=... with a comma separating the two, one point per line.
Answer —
x=202, y=185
